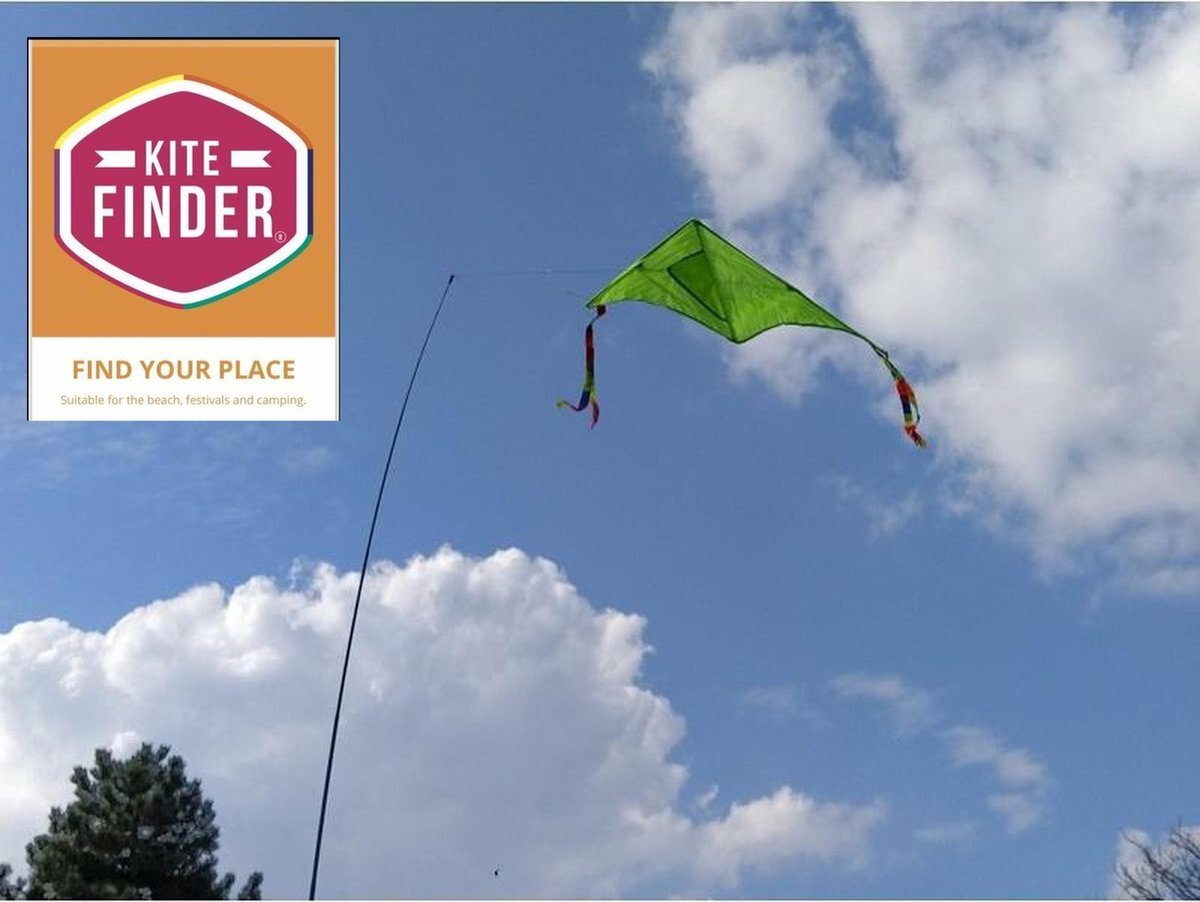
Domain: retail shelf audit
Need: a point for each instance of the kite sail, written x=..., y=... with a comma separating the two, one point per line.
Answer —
x=697, y=273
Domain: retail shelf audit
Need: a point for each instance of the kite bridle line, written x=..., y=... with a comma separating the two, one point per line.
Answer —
x=362, y=573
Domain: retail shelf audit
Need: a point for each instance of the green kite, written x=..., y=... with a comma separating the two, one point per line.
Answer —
x=696, y=272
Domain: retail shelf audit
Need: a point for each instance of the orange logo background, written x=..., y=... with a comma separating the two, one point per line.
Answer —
x=293, y=78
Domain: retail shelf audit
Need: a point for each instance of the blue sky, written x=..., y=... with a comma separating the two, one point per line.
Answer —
x=954, y=673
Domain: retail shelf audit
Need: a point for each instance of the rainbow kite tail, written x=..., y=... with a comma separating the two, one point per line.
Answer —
x=912, y=413
x=908, y=400
x=587, y=398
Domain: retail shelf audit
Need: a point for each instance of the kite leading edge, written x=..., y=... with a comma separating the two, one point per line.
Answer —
x=701, y=275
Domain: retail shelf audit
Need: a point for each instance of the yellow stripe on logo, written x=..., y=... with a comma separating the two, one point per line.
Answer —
x=100, y=109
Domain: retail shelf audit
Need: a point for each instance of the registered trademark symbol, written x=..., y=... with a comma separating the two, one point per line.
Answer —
x=280, y=237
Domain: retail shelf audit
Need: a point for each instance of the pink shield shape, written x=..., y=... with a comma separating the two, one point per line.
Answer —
x=183, y=192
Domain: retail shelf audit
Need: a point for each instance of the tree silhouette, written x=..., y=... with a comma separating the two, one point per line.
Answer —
x=1169, y=871
x=137, y=829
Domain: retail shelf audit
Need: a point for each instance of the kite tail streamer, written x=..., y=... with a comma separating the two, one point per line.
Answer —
x=587, y=398
x=912, y=413
x=908, y=400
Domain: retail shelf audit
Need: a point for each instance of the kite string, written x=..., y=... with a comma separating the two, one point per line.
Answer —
x=337, y=713
x=544, y=271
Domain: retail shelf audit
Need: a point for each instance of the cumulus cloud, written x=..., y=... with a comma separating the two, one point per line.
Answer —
x=1025, y=779
x=494, y=718
x=911, y=709
x=1006, y=197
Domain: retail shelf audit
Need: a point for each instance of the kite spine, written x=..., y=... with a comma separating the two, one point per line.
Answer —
x=362, y=573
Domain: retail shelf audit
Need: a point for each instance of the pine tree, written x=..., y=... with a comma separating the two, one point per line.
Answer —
x=138, y=829
x=9, y=888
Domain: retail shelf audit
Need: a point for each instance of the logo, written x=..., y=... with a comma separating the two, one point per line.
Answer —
x=153, y=195
x=183, y=191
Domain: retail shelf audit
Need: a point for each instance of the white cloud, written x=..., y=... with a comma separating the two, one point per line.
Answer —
x=1005, y=197
x=1172, y=850
x=1025, y=779
x=777, y=700
x=885, y=516
x=769, y=830
x=976, y=745
x=951, y=833
x=911, y=709
x=705, y=799
x=125, y=743
x=1128, y=855
x=494, y=719
x=1021, y=811
x=194, y=457
x=307, y=461
x=51, y=452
